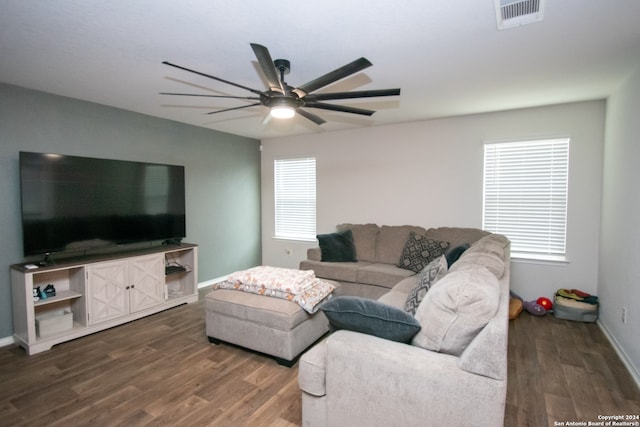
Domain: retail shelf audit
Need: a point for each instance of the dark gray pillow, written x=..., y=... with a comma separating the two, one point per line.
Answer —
x=452, y=254
x=337, y=247
x=370, y=317
x=419, y=251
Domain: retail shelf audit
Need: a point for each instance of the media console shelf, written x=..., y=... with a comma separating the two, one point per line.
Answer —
x=100, y=292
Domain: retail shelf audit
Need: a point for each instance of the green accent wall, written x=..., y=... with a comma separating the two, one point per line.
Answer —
x=222, y=174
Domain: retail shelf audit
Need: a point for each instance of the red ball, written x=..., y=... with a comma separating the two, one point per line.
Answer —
x=545, y=302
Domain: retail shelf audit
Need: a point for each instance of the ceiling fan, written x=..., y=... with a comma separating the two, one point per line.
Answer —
x=285, y=101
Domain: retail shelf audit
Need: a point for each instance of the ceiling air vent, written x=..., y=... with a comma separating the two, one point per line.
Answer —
x=513, y=13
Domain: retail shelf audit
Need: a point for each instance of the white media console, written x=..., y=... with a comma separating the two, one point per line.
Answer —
x=100, y=292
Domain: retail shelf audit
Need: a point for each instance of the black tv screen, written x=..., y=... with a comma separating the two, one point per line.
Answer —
x=72, y=203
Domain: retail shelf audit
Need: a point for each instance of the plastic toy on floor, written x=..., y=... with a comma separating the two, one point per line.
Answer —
x=539, y=307
x=515, y=305
x=534, y=308
x=545, y=303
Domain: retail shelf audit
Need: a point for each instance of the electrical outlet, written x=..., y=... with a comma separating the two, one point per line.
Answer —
x=624, y=315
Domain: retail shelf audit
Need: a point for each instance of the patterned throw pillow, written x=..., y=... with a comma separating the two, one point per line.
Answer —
x=426, y=279
x=419, y=251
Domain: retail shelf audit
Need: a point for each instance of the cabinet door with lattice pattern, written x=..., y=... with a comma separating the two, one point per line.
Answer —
x=107, y=289
x=146, y=282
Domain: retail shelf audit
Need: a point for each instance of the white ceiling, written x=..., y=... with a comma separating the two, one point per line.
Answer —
x=446, y=56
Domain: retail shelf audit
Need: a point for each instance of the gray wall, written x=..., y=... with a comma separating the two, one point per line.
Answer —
x=222, y=174
x=619, y=272
x=429, y=173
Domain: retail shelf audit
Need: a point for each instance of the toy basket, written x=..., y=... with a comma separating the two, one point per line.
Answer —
x=570, y=309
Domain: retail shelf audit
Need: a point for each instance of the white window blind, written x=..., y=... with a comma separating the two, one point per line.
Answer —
x=525, y=195
x=295, y=198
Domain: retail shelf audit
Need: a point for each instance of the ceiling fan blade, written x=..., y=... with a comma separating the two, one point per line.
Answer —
x=268, y=68
x=234, y=108
x=257, y=92
x=354, y=94
x=309, y=115
x=341, y=108
x=335, y=75
x=253, y=98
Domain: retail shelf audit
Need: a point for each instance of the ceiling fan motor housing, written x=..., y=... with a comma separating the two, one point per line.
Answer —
x=277, y=99
x=282, y=65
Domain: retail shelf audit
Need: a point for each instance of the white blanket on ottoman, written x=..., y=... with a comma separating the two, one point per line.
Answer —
x=301, y=287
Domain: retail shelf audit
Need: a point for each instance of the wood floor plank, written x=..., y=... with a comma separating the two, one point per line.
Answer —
x=277, y=406
x=559, y=408
x=99, y=411
x=553, y=379
x=162, y=371
x=243, y=409
x=585, y=401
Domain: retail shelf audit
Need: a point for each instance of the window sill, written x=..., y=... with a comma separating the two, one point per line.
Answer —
x=296, y=239
x=539, y=259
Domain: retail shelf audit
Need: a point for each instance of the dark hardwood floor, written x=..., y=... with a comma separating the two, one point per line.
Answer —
x=562, y=371
x=161, y=370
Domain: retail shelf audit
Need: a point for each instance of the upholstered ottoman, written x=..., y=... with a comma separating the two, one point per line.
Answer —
x=276, y=327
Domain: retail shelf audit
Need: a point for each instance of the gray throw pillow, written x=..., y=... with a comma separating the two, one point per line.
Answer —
x=419, y=251
x=370, y=317
x=456, y=309
x=429, y=275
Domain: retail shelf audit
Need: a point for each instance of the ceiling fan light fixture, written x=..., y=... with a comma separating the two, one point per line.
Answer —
x=282, y=112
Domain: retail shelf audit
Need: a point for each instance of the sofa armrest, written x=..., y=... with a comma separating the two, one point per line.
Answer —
x=312, y=369
x=314, y=254
x=372, y=381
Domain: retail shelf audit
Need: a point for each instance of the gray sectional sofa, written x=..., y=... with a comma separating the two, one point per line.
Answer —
x=378, y=252
x=452, y=373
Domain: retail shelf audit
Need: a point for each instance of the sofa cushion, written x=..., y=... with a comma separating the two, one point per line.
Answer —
x=379, y=274
x=365, y=237
x=456, y=235
x=428, y=277
x=370, y=317
x=497, y=238
x=419, y=251
x=314, y=254
x=340, y=271
x=397, y=296
x=456, y=309
x=394, y=298
x=491, y=262
x=493, y=243
x=337, y=247
x=406, y=285
x=391, y=241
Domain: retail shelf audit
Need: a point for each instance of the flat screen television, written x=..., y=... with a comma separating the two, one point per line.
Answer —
x=72, y=203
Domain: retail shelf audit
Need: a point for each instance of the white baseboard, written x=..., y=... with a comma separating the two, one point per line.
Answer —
x=211, y=282
x=6, y=341
x=633, y=370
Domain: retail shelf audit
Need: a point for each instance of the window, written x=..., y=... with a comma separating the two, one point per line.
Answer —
x=295, y=198
x=525, y=196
